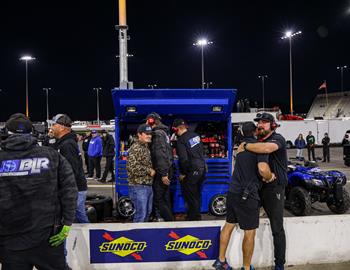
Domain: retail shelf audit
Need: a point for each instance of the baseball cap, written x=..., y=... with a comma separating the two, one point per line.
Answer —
x=19, y=123
x=154, y=115
x=93, y=131
x=178, y=122
x=264, y=116
x=144, y=128
x=62, y=119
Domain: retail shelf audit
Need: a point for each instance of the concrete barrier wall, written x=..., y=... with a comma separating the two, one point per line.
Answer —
x=317, y=239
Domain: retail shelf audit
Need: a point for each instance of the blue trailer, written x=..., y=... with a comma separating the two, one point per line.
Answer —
x=208, y=112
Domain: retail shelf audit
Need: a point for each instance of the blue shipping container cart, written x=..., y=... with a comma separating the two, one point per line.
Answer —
x=208, y=113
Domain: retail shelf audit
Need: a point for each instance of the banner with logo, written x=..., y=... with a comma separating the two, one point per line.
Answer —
x=154, y=245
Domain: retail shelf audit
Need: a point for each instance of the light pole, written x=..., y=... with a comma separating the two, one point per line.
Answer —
x=262, y=77
x=341, y=76
x=152, y=86
x=97, y=89
x=47, y=103
x=27, y=58
x=202, y=43
x=290, y=35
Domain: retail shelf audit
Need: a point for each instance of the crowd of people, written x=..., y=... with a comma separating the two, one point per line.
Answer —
x=310, y=143
x=43, y=188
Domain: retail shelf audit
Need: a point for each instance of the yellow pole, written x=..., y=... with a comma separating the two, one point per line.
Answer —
x=122, y=12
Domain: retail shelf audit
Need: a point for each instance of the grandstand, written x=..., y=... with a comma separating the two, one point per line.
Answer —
x=338, y=106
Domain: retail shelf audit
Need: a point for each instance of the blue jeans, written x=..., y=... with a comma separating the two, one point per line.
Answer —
x=142, y=198
x=80, y=214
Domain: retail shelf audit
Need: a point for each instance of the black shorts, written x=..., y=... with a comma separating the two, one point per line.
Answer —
x=243, y=212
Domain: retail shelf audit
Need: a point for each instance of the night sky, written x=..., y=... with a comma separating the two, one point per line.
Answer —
x=75, y=44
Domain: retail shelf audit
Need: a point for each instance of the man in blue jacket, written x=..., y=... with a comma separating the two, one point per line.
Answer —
x=95, y=155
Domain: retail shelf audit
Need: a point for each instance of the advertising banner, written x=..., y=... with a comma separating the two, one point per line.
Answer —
x=154, y=245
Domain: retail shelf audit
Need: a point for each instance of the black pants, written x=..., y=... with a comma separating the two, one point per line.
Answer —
x=109, y=167
x=191, y=190
x=95, y=163
x=326, y=153
x=272, y=199
x=86, y=161
x=311, y=150
x=43, y=257
x=161, y=199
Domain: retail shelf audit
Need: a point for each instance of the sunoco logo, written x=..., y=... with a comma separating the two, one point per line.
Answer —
x=188, y=245
x=122, y=246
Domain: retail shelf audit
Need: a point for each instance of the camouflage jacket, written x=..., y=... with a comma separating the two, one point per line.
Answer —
x=139, y=164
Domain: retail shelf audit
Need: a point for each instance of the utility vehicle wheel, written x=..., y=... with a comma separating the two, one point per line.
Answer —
x=217, y=205
x=125, y=207
x=299, y=201
x=340, y=207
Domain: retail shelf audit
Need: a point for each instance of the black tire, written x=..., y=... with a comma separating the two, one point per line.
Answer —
x=102, y=204
x=91, y=213
x=217, y=206
x=299, y=201
x=340, y=207
x=125, y=207
x=289, y=145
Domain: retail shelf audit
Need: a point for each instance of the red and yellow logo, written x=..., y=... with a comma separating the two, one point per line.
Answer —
x=188, y=245
x=122, y=246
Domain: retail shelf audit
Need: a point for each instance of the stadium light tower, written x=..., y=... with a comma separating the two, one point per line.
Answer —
x=47, y=103
x=202, y=43
x=27, y=58
x=97, y=89
x=289, y=35
x=263, y=77
x=341, y=69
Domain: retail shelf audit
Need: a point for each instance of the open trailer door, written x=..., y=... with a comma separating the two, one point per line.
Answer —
x=208, y=113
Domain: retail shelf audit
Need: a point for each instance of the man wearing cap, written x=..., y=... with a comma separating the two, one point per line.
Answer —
x=67, y=146
x=162, y=160
x=243, y=202
x=95, y=155
x=38, y=200
x=272, y=194
x=108, y=152
x=140, y=174
x=190, y=151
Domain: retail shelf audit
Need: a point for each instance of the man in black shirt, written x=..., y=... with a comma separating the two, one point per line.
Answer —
x=272, y=194
x=67, y=146
x=38, y=195
x=243, y=199
x=162, y=160
x=189, y=149
x=325, y=145
x=108, y=152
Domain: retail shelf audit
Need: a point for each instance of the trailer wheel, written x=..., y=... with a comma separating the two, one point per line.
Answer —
x=125, y=207
x=289, y=144
x=217, y=206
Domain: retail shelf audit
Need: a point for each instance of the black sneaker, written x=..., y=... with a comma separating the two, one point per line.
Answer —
x=251, y=268
x=218, y=265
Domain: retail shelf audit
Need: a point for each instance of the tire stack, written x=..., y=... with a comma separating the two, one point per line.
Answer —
x=98, y=207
